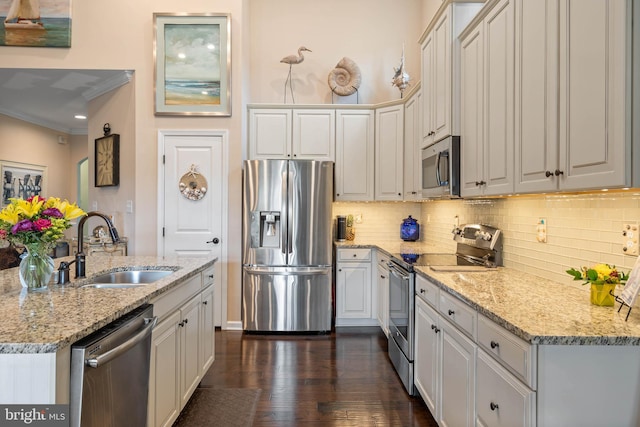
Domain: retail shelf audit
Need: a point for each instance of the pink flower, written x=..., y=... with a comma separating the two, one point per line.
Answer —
x=41, y=224
x=3, y=234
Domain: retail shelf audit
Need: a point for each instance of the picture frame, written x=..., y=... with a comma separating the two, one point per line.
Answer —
x=46, y=23
x=192, y=57
x=107, y=161
x=22, y=180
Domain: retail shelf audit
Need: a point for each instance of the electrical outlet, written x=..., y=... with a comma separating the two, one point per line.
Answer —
x=541, y=230
x=630, y=239
x=358, y=218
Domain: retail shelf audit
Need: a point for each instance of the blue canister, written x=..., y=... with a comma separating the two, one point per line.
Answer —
x=409, y=230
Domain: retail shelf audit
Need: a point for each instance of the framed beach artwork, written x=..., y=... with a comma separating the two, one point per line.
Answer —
x=22, y=180
x=192, y=54
x=35, y=23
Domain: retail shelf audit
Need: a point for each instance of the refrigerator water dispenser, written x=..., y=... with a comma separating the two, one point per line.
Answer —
x=265, y=229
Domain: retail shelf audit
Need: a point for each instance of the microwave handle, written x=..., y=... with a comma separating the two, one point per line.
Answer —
x=438, y=175
x=438, y=168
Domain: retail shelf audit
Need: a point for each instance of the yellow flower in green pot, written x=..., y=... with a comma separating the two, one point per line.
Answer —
x=603, y=279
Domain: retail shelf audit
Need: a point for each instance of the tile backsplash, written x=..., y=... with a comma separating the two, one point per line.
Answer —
x=582, y=229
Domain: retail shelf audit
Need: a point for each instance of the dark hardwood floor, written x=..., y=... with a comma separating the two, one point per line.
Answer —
x=342, y=379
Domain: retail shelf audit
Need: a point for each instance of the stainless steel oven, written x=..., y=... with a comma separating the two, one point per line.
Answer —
x=401, y=306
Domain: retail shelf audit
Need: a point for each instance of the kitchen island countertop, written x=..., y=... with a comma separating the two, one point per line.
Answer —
x=538, y=310
x=44, y=322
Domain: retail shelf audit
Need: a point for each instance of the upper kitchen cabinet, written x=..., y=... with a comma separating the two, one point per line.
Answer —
x=285, y=133
x=440, y=70
x=354, y=155
x=413, y=146
x=573, y=94
x=487, y=92
x=389, y=157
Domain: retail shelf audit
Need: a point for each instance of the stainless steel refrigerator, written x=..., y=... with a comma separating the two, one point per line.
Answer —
x=286, y=250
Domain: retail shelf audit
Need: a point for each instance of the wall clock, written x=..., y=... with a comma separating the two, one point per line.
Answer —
x=107, y=155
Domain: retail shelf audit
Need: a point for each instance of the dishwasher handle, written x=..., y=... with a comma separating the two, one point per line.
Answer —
x=131, y=342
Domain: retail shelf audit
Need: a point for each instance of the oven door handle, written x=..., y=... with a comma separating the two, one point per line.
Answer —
x=398, y=272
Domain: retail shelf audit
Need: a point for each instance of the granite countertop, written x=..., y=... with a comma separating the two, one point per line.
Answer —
x=538, y=310
x=43, y=322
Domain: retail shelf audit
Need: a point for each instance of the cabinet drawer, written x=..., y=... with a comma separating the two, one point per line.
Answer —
x=382, y=259
x=501, y=399
x=459, y=313
x=354, y=254
x=168, y=302
x=427, y=291
x=515, y=353
x=208, y=276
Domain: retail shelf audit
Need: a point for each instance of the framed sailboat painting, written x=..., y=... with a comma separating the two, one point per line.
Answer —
x=35, y=23
x=192, y=53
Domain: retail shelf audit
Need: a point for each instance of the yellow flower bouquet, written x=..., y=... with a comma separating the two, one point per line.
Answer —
x=37, y=224
x=603, y=279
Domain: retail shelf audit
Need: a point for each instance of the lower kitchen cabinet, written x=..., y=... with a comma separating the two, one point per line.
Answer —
x=426, y=364
x=502, y=400
x=354, y=294
x=182, y=348
x=381, y=275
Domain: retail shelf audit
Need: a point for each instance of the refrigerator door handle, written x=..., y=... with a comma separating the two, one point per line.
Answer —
x=287, y=271
x=290, y=203
x=284, y=219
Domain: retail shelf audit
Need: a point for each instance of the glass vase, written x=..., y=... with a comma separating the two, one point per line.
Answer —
x=602, y=294
x=36, y=267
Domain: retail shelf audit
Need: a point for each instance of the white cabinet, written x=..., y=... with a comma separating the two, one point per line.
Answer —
x=440, y=71
x=292, y=134
x=381, y=275
x=413, y=147
x=354, y=169
x=426, y=364
x=487, y=90
x=572, y=103
x=182, y=347
x=389, y=153
x=354, y=294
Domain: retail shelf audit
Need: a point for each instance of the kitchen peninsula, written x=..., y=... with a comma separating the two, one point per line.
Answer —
x=515, y=349
x=38, y=328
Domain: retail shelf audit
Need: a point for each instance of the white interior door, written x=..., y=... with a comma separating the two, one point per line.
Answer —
x=193, y=223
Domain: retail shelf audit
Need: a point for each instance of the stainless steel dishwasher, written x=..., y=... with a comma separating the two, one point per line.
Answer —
x=110, y=373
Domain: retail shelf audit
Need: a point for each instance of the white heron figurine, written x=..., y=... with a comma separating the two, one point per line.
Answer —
x=291, y=60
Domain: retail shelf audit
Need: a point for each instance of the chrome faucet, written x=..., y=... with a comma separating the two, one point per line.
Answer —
x=80, y=255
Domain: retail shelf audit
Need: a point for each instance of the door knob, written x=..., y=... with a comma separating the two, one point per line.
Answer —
x=215, y=241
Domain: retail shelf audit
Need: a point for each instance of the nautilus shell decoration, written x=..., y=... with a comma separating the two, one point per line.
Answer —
x=401, y=77
x=193, y=185
x=345, y=78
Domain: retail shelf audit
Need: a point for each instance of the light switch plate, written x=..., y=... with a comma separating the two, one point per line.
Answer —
x=630, y=234
x=541, y=230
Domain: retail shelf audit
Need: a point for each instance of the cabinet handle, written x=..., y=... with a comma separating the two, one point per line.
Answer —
x=558, y=172
x=421, y=291
x=205, y=302
x=548, y=174
x=479, y=183
x=181, y=324
x=493, y=406
x=382, y=277
x=495, y=344
x=210, y=276
x=186, y=321
x=451, y=312
x=435, y=329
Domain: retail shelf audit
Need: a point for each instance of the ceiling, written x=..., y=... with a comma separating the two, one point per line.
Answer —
x=52, y=97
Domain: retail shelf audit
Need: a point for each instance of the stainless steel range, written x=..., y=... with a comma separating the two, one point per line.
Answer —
x=478, y=247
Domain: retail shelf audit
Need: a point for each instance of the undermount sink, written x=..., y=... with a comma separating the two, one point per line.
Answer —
x=126, y=279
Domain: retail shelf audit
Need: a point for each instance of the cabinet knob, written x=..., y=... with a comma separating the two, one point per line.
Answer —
x=479, y=183
x=338, y=194
x=205, y=302
x=495, y=344
x=339, y=269
x=421, y=291
x=451, y=312
x=548, y=174
x=493, y=406
x=355, y=255
x=558, y=172
x=181, y=324
x=210, y=276
x=435, y=329
x=382, y=277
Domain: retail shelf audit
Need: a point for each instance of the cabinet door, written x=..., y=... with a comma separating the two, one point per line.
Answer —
x=269, y=134
x=354, y=155
x=353, y=291
x=536, y=96
x=314, y=135
x=442, y=76
x=594, y=55
x=428, y=94
x=382, y=278
x=471, y=94
x=389, y=153
x=190, y=348
x=412, y=148
x=427, y=355
x=502, y=400
x=457, y=378
x=498, y=99
x=164, y=373
x=207, y=330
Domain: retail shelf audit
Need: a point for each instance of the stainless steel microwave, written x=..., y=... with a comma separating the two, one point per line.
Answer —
x=441, y=169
